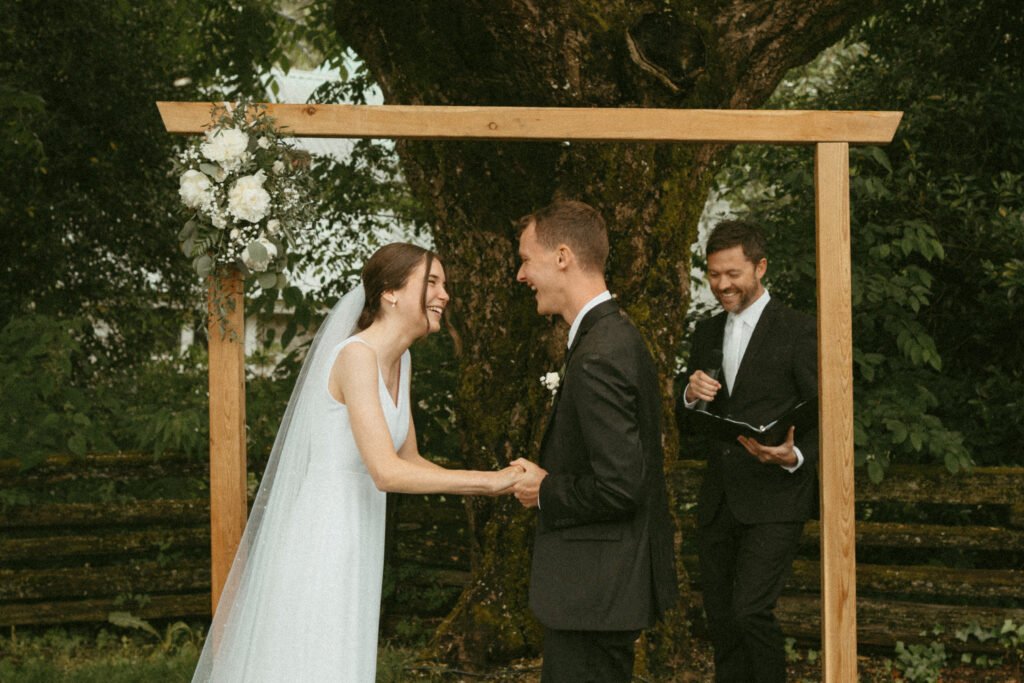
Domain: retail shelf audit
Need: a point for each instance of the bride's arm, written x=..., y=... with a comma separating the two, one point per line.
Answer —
x=355, y=375
x=410, y=452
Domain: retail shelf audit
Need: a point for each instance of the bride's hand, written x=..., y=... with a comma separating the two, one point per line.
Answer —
x=507, y=478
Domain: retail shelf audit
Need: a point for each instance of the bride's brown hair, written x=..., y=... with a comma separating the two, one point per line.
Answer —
x=390, y=268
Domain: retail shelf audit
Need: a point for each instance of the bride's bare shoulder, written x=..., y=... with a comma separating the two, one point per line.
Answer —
x=354, y=366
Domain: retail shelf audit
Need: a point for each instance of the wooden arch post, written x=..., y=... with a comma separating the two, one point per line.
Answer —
x=830, y=131
x=228, y=503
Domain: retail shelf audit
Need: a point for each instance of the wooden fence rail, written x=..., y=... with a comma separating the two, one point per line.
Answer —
x=65, y=562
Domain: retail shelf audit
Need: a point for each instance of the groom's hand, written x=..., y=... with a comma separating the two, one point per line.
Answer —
x=527, y=489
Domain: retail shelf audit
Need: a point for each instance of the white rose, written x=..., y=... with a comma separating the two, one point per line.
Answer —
x=263, y=142
x=259, y=254
x=247, y=200
x=195, y=189
x=273, y=226
x=278, y=167
x=225, y=146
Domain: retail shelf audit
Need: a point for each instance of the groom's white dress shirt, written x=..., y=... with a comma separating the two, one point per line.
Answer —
x=599, y=299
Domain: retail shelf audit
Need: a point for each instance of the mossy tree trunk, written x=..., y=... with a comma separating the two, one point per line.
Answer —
x=598, y=53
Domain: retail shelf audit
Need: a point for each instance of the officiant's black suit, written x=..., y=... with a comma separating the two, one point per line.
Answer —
x=603, y=555
x=739, y=494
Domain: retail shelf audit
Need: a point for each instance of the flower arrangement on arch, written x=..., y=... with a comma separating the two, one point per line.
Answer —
x=245, y=191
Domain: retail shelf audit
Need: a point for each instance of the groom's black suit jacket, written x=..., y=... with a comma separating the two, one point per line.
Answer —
x=778, y=370
x=603, y=555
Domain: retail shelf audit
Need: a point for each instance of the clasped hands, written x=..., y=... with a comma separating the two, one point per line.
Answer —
x=522, y=479
x=704, y=387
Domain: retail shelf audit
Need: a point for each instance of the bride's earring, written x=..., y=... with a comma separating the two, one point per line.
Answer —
x=394, y=302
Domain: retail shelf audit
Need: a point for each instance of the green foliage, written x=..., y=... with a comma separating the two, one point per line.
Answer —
x=87, y=212
x=435, y=375
x=920, y=661
x=87, y=656
x=1009, y=636
x=793, y=654
x=175, y=635
x=937, y=227
x=85, y=208
x=47, y=408
x=162, y=405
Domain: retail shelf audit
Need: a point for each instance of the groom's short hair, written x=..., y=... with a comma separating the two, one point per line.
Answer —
x=575, y=224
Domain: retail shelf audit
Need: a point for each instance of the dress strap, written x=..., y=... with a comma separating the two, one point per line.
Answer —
x=346, y=342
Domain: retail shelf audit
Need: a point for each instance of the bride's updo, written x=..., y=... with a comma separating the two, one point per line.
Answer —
x=389, y=268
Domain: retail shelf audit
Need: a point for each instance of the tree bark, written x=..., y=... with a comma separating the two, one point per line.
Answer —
x=610, y=53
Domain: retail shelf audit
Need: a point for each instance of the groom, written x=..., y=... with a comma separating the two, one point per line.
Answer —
x=603, y=566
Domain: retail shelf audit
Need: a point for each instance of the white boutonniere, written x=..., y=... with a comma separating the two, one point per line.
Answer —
x=551, y=381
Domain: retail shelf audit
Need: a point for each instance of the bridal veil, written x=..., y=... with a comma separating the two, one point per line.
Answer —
x=247, y=596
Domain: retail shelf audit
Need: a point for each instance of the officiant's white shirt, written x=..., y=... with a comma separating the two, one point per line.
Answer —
x=743, y=324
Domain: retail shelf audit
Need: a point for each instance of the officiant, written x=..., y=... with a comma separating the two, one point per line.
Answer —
x=751, y=362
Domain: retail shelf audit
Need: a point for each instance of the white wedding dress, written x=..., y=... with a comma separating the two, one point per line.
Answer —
x=303, y=597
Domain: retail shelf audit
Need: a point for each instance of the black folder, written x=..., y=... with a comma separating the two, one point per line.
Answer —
x=803, y=416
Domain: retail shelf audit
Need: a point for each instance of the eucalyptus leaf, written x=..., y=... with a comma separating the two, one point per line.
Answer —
x=257, y=252
x=267, y=280
x=203, y=265
x=188, y=230
x=212, y=170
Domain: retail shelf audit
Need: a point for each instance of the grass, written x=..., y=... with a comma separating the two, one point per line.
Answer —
x=168, y=653
x=83, y=655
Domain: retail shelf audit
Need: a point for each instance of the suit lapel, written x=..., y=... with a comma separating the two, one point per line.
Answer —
x=588, y=322
x=756, y=344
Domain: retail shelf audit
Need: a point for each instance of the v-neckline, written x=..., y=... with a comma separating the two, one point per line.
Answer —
x=393, y=400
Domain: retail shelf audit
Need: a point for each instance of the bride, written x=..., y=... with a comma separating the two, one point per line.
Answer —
x=302, y=600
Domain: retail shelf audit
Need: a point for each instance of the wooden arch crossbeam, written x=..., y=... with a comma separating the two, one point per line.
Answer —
x=831, y=132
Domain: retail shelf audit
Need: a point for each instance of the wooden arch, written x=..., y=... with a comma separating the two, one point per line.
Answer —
x=831, y=132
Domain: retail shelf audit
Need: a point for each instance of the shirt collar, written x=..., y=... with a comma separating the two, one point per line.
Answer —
x=752, y=313
x=599, y=299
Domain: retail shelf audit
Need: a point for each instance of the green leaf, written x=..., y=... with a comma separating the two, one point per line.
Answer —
x=898, y=430
x=880, y=157
x=289, y=333
x=875, y=471
x=77, y=445
x=860, y=437
x=211, y=170
x=129, y=620
x=188, y=230
x=915, y=440
x=203, y=265
x=292, y=296
x=257, y=252
x=952, y=463
x=267, y=280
